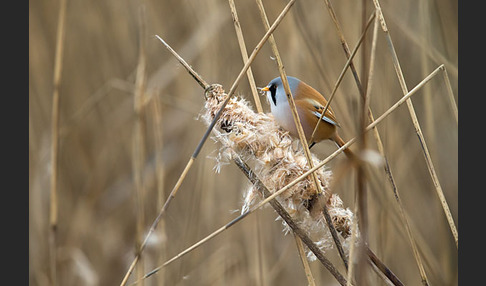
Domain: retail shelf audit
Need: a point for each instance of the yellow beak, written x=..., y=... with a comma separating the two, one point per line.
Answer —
x=265, y=88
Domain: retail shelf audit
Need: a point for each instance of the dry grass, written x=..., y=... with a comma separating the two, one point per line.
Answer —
x=128, y=126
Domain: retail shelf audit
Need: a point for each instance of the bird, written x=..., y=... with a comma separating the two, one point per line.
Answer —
x=309, y=104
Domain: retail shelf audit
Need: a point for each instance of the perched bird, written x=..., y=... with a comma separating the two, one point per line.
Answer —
x=310, y=104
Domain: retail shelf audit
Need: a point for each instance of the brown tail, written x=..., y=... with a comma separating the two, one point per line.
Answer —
x=340, y=142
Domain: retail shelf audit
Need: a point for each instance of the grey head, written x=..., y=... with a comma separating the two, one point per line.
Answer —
x=276, y=90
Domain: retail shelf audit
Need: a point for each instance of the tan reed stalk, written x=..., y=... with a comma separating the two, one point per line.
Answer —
x=160, y=171
x=258, y=105
x=362, y=211
x=138, y=157
x=305, y=263
x=189, y=164
x=428, y=103
x=55, y=119
x=364, y=49
x=418, y=130
x=260, y=262
x=352, y=248
x=138, y=137
x=244, y=55
x=362, y=190
x=201, y=37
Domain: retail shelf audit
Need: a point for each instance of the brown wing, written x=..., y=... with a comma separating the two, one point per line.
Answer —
x=314, y=102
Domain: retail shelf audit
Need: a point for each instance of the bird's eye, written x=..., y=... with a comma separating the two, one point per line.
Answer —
x=273, y=93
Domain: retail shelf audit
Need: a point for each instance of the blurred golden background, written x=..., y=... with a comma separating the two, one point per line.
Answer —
x=104, y=210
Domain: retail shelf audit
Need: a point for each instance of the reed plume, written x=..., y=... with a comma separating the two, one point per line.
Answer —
x=257, y=139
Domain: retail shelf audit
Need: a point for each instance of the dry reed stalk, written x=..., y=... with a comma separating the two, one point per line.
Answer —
x=204, y=35
x=260, y=264
x=418, y=130
x=55, y=119
x=258, y=105
x=354, y=227
x=364, y=49
x=244, y=55
x=428, y=103
x=159, y=170
x=139, y=137
x=300, y=249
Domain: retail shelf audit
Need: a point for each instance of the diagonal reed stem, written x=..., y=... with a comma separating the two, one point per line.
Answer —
x=305, y=263
x=244, y=55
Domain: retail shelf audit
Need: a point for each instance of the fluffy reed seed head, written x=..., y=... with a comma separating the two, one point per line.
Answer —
x=259, y=141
